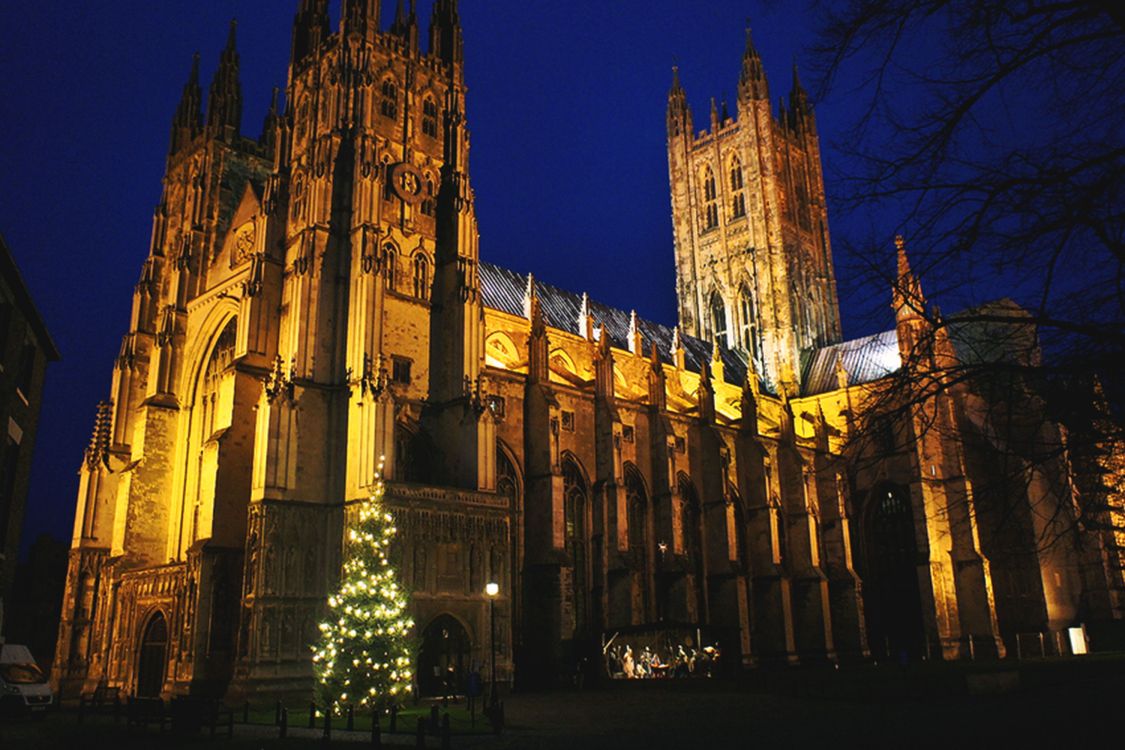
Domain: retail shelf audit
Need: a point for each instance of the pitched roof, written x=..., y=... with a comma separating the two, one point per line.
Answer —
x=865, y=360
x=503, y=289
x=976, y=338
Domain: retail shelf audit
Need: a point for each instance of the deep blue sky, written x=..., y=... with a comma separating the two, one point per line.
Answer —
x=567, y=103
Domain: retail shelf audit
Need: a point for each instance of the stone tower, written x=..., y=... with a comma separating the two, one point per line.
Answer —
x=330, y=259
x=753, y=258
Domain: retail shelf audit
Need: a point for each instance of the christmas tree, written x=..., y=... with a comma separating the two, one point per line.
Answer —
x=364, y=657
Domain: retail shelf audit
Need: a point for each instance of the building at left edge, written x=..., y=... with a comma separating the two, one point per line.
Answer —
x=313, y=299
x=25, y=351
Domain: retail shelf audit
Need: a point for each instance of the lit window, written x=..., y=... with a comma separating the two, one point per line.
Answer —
x=710, y=201
x=718, y=318
x=421, y=277
x=738, y=197
x=390, y=262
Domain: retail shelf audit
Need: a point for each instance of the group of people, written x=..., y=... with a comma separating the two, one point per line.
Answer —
x=675, y=661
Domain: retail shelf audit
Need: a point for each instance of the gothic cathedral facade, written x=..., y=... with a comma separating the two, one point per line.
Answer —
x=313, y=302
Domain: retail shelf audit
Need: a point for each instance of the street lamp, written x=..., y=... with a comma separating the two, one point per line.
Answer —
x=492, y=589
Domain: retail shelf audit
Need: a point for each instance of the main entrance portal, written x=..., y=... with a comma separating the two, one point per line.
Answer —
x=443, y=663
x=153, y=658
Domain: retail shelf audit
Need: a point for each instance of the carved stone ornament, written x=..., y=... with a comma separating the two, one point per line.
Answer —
x=244, y=240
x=407, y=182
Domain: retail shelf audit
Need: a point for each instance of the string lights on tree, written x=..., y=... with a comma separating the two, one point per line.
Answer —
x=364, y=658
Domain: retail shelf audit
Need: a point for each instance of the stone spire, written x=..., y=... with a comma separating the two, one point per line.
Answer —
x=224, y=102
x=679, y=114
x=310, y=28
x=189, y=115
x=717, y=367
x=677, y=350
x=752, y=82
x=636, y=343
x=909, y=301
x=585, y=320
x=446, y=40
x=915, y=334
x=706, y=394
x=269, y=125
x=538, y=347
x=799, y=107
x=529, y=297
x=359, y=17
x=406, y=24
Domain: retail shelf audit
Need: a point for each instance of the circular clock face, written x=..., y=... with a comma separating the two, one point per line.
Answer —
x=406, y=181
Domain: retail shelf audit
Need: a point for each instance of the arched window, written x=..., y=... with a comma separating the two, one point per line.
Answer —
x=738, y=197
x=718, y=318
x=429, y=205
x=749, y=314
x=429, y=117
x=575, y=497
x=637, y=500
x=390, y=265
x=421, y=277
x=388, y=105
x=692, y=524
x=710, y=200
x=507, y=480
x=205, y=421
x=302, y=118
x=640, y=548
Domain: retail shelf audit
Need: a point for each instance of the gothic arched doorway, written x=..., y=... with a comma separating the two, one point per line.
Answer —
x=892, y=599
x=443, y=662
x=153, y=658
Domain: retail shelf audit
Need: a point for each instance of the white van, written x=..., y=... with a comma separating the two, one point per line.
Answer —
x=23, y=686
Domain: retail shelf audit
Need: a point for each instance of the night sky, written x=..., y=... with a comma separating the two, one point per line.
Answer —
x=566, y=107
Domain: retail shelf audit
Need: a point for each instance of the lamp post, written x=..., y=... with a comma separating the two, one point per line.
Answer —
x=492, y=589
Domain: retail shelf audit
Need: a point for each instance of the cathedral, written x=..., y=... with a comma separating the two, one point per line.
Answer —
x=313, y=302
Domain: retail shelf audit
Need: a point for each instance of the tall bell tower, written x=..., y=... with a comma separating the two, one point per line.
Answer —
x=750, y=221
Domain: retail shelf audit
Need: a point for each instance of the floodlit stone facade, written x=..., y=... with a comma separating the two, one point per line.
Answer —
x=314, y=302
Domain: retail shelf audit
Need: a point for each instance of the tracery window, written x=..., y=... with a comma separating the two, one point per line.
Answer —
x=575, y=497
x=749, y=314
x=421, y=277
x=388, y=106
x=718, y=318
x=710, y=201
x=205, y=421
x=429, y=205
x=507, y=481
x=738, y=197
x=390, y=265
x=429, y=118
x=636, y=501
x=692, y=525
